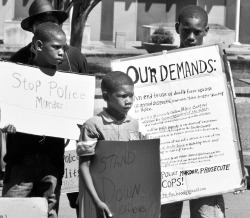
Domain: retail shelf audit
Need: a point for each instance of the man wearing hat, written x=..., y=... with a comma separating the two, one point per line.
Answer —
x=74, y=61
x=42, y=11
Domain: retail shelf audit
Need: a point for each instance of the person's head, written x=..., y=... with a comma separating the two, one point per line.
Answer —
x=192, y=26
x=118, y=91
x=42, y=11
x=49, y=41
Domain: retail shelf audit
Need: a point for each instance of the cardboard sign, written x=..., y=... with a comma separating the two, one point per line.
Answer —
x=23, y=208
x=70, y=182
x=184, y=98
x=43, y=101
x=126, y=176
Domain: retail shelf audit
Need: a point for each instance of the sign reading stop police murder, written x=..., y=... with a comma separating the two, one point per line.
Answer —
x=43, y=101
x=183, y=97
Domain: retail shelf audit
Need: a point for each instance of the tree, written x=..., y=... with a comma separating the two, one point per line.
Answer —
x=81, y=10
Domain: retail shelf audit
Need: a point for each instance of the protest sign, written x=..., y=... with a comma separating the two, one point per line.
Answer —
x=71, y=165
x=126, y=176
x=185, y=98
x=35, y=100
x=70, y=181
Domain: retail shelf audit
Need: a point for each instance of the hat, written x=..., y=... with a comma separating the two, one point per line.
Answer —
x=39, y=7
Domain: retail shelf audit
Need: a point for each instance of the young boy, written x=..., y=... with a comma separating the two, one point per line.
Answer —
x=192, y=26
x=42, y=11
x=35, y=163
x=113, y=123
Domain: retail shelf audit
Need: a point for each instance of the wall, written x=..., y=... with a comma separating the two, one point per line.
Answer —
x=94, y=21
x=230, y=14
x=216, y=10
x=6, y=13
x=244, y=24
x=130, y=15
x=15, y=37
x=21, y=9
x=107, y=18
x=244, y=30
x=161, y=11
x=125, y=16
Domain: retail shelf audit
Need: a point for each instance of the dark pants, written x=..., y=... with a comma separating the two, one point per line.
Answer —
x=34, y=176
x=73, y=198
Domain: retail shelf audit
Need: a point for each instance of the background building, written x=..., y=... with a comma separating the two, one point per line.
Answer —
x=128, y=16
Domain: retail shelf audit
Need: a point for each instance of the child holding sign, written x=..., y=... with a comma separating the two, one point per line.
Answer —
x=35, y=163
x=192, y=26
x=113, y=123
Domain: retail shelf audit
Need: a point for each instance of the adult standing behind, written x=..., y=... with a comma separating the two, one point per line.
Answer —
x=74, y=61
x=42, y=11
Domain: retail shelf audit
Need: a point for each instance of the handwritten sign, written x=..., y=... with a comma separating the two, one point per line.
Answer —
x=70, y=182
x=184, y=98
x=43, y=101
x=126, y=176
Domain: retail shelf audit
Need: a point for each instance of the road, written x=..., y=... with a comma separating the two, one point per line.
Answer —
x=237, y=206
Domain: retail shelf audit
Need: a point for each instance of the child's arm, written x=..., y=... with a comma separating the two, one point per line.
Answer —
x=102, y=208
x=66, y=143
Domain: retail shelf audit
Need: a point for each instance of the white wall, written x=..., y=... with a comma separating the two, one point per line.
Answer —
x=6, y=13
x=94, y=20
x=125, y=20
x=216, y=10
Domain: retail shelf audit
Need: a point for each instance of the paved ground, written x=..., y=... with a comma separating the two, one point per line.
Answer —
x=65, y=211
x=237, y=206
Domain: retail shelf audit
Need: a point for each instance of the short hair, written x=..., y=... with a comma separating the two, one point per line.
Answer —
x=113, y=80
x=47, y=32
x=193, y=11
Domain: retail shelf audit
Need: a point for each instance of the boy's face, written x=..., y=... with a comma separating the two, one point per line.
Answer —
x=51, y=53
x=120, y=101
x=191, y=31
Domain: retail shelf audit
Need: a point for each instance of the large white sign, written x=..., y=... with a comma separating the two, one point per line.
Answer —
x=184, y=98
x=45, y=102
